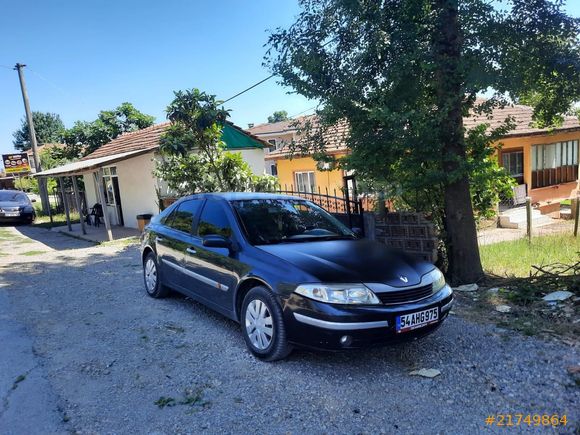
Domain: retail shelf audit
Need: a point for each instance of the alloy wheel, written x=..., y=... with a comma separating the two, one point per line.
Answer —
x=259, y=325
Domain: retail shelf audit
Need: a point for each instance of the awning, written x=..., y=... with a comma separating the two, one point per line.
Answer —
x=237, y=139
x=82, y=166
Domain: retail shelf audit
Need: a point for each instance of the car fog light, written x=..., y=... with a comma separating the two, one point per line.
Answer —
x=346, y=340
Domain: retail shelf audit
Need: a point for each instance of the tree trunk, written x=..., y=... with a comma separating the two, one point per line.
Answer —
x=461, y=234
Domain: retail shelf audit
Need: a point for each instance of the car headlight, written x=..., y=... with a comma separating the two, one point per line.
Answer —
x=437, y=278
x=338, y=293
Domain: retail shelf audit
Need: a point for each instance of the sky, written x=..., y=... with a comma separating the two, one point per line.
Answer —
x=86, y=56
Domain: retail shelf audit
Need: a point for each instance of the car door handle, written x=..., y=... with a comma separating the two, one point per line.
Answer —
x=191, y=251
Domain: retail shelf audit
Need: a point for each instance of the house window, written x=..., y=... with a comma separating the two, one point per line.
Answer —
x=274, y=169
x=513, y=163
x=272, y=141
x=305, y=181
x=554, y=163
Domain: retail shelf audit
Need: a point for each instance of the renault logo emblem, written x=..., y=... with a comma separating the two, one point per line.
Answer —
x=404, y=278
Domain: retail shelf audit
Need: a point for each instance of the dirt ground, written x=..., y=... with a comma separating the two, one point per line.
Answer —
x=85, y=350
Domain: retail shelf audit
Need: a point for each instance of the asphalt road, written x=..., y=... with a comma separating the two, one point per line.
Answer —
x=84, y=350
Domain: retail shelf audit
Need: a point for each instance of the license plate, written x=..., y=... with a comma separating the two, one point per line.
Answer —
x=408, y=322
x=11, y=213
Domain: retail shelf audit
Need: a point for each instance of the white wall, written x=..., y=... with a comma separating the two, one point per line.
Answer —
x=137, y=187
x=90, y=192
x=255, y=158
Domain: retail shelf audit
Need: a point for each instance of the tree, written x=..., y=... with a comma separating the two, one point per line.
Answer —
x=193, y=154
x=85, y=137
x=404, y=73
x=277, y=116
x=49, y=128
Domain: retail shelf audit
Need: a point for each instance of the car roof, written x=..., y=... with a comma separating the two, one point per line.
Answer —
x=241, y=196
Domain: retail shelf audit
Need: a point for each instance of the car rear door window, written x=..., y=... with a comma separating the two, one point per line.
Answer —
x=213, y=221
x=182, y=217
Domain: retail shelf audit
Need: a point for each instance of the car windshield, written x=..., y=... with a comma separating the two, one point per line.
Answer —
x=269, y=221
x=7, y=195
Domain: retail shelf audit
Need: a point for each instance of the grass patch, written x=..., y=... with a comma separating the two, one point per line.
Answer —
x=58, y=220
x=6, y=234
x=126, y=241
x=32, y=253
x=516, y=257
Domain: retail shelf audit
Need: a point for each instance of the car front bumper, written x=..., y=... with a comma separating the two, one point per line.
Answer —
x=319, y=325
x=21, y=217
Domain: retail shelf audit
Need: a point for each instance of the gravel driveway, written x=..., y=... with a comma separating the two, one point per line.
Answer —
x=84, y=350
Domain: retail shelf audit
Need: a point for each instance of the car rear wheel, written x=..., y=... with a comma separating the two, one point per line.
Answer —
x=263, y=325
x=152, y=279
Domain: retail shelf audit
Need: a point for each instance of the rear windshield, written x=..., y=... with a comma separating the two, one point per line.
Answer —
x=269, y=221
x=6, y=195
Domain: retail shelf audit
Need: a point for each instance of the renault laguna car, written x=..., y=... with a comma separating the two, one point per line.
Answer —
x=15, y=206
x=290, y=273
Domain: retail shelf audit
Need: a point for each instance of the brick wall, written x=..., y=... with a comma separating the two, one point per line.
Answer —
x=409, y=232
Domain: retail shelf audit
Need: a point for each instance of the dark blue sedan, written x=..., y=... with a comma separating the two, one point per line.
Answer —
x=290, y=273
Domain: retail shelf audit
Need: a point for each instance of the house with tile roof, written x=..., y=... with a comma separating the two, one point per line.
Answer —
x=544, y=162
x=119, y=174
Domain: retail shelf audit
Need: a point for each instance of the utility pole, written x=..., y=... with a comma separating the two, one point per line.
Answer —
x=32, y=133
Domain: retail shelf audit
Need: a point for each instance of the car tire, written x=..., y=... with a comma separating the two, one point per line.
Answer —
x=152, y=278
x=263, y=326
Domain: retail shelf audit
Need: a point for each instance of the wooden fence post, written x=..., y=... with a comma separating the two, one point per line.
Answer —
x=529, y=218
x=576, y=215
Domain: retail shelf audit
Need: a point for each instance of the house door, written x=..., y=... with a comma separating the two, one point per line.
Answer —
x=118, y=200
x=112, y=195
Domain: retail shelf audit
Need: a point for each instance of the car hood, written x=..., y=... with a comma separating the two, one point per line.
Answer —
x=351, y=261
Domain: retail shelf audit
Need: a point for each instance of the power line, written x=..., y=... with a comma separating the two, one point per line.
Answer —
x=247, y=89
x=6, y=66
x=62, y=91
x=304, y=111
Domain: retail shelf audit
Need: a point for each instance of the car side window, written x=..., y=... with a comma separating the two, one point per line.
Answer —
x=182, y=217
x=213, y=221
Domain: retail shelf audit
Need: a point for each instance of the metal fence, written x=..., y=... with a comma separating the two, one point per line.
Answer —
x=345, y=208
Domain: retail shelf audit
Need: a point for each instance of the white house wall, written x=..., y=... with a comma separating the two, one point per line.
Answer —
x=255, y=158
x=137, y=188
x=90, y=192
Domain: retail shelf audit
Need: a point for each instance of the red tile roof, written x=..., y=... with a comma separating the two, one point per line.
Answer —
x=522, y=116
x=279, y=127
x=146, y=138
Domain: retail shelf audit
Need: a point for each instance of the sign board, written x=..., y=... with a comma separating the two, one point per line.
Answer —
x=16, y=163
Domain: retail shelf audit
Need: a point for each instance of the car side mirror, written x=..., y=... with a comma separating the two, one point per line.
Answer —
x=216, y=241
x=358, y=232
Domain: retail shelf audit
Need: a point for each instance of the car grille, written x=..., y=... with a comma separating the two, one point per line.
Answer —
x=402, y=296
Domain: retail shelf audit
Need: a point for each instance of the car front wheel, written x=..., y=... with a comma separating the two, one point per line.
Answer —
x=263, y=325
